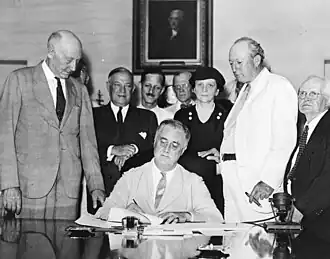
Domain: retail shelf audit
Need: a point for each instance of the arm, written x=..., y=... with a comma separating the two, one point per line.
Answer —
x=284, y=134
x=10, y=105
x=88, y=146
x=203, y=205
x=118, y=198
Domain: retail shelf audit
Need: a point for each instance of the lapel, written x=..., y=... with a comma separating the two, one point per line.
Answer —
x=71, y=94
x=319, y=134
x=173, y=191
x=42, y=94
x=147, y=187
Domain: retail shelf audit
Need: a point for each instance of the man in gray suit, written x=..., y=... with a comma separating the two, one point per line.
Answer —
x=47, y=136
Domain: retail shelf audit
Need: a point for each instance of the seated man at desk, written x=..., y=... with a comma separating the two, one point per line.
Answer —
x=162, y=187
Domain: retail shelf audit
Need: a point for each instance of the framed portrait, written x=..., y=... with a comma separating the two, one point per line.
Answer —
x=173, y=34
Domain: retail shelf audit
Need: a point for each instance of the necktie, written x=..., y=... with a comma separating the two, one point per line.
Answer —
x=120, y=116
x=60, y=100
x=160, y=189
x=301, y=145
x=239, y=105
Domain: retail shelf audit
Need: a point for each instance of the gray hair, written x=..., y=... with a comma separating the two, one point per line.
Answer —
x=324, y=83
x=255, y=49
x=179, y=12
x=175, y=124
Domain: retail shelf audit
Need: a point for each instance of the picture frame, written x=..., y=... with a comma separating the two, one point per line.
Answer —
x=173, y=34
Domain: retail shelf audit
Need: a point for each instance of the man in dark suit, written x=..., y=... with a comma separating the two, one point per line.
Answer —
x=124, y=133
x=308, y=174
x=47, y=136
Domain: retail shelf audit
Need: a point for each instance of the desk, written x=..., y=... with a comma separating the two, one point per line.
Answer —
x=48, y=239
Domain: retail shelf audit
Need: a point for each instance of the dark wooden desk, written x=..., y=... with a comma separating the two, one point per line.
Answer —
x=37, y=239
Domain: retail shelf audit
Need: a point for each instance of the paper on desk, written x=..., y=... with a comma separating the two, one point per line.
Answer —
x=208, y=229
x=90, y=220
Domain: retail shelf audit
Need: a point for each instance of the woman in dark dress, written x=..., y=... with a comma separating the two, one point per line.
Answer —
x=206, y=122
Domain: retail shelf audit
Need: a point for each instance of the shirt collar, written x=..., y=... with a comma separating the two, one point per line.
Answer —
x=156, y=170
x=313, y=123
x=50, y=76
x=115, y=108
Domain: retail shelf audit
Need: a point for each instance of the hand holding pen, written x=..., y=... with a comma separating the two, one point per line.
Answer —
x=133, y=206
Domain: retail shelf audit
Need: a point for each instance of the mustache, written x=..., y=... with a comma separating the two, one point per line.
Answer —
x=150, y=95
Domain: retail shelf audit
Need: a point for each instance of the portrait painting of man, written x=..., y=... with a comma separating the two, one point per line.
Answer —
x=173, y=34
x=172, y=29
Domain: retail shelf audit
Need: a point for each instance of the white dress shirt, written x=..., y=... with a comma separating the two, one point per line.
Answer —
x=311, y=127
x=156, y=176
x=161, y=114
x=52, y=82
x=115, y=110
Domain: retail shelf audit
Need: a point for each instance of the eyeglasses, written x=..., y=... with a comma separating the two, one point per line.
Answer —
x=311, y=95
x=181, y=86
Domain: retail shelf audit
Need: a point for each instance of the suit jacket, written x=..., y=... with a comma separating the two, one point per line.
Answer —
x=265, y=133
x=139, y=128
x=185, y=192
x=35, y=147
x=311, y=180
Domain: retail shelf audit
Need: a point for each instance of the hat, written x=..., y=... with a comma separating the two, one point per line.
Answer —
x=203, y=73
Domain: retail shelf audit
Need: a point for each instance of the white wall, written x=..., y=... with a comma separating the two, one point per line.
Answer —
x=294, y=33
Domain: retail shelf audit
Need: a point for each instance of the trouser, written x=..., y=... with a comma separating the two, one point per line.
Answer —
x=237, y=207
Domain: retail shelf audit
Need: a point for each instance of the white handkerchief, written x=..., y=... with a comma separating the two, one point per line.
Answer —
x=143, y=134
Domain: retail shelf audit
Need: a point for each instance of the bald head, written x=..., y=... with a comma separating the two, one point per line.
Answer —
x=64, y=53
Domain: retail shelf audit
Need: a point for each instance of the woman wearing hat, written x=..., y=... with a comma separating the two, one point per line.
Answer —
x=206, y=122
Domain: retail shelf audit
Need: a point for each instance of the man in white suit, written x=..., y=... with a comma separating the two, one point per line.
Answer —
x=183, y=195
x=259, y=135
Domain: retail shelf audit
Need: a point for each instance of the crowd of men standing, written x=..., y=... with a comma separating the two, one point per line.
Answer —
x=200, y=158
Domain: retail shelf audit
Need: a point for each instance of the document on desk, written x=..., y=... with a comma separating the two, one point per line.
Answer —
x=90, y=220
x=208, y=229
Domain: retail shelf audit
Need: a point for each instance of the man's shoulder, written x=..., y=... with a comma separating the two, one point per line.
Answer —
x=142, y=112
x=137, y=172
x=189, y=177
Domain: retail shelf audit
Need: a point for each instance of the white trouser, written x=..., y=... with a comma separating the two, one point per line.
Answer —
x=237, y=206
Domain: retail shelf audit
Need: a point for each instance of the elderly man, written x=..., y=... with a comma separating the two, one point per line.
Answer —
x=309, y=174
x=47, y=136
x=152, y=86
x=259, y=135
x=162, y=187
x=182, y=86
x=124, y=133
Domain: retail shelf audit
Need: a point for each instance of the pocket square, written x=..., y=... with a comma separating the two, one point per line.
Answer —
x=143, y=134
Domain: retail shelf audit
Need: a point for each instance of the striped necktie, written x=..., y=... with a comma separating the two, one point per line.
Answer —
x=160, y=189
x=301, y=146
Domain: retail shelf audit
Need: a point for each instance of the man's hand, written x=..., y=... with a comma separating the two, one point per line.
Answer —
x=123, y=150
x=297, y=215
x=120, y=161
x=11, y=230
x=12, y=200
x=175, y=217
x=260, y=191
x=211, y=154
x=97, y=195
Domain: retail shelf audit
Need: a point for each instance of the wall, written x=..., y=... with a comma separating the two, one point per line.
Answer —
x=294, y=33
x=104, y=28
